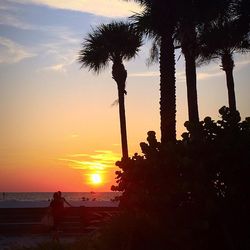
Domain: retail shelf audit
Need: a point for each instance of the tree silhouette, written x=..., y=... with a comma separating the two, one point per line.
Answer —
x=222, y=38
x=115, y=42
x=158, y=21
x=193, y=13
x=196, y=193
x=172, y=23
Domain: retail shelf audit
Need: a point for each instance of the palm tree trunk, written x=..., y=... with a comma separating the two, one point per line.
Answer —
x=123, y=124
x=227, y=66
x=167, y=89
x=189, y=44
x=230, y=88
x=120, y=75
x=193, y=112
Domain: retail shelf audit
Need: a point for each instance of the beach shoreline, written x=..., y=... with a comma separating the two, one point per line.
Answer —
x=9, y=242
x=22, y=227
x=42, y=204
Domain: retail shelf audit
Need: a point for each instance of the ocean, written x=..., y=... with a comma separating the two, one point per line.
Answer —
x=70, y=196
x=42, y=199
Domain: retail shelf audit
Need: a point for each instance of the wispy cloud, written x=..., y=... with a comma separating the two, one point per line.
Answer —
x=180, y=76
x=203, y=73
x=145, y=74
x=64, y=57
x=12, y=52
x=108, y=8
x=77, y=155
x=56, y=68
x=59, y=43
x=4, y=5
x=242, y=61
x=62, y=49
x=209, y=74
x=99, y=161
x=214, y=70
x=11, y=20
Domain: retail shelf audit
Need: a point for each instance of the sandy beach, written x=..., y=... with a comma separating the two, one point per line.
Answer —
x=29, y=241
x=27, y=204
x=20, y=222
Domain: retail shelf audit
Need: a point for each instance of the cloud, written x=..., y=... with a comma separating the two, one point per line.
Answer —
x=145, y=74
x=242, y=61
x=180, y=76
x=203, y=73
x=62, y=45
x=74, y=136
x=108, y=8
x=8, y=19
x=214, y=69
x=207, y=75
x=99, y=161
x=11, y=52
x=64, y=58
x=55, y=68
x=62, y=50
x=77, y=155
x=4, y=5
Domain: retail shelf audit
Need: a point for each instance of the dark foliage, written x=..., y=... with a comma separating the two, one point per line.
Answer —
x=196, y=191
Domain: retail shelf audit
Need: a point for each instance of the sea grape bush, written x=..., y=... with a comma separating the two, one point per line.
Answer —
x=196, y=188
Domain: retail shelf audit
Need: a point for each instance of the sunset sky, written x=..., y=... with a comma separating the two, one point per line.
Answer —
x=58, y=126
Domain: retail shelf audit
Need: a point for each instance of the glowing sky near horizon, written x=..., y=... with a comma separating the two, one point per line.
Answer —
x=58, y=126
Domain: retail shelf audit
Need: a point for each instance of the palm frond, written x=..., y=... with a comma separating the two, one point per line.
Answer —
x=93, y=54
x=154, y=52
x=109, y=42
x=223, y=34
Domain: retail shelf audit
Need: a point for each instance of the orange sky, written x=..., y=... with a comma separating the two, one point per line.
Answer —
x=58, y=125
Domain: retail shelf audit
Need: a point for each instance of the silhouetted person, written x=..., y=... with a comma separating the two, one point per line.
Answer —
x=62, y=200
x=57, y=212
x=3, y=195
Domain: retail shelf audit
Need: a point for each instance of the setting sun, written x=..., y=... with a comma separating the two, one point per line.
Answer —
x=96, y=178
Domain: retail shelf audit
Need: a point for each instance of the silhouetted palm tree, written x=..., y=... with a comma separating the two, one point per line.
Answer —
x=221, y=39
x=193, y=13
x=168, y=22
x=115, y=42
x=158, y=21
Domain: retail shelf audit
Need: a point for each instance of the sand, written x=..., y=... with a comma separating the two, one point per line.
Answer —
x=26, y=204
x=29, y=241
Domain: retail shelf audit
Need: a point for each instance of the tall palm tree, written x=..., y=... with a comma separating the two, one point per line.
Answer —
x=158, y=20
x=169, y=22
x=114, y=42
x=193, y=13
x=221, y=39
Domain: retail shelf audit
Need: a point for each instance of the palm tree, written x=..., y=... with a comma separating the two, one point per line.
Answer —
x=158, y=21
x=193, y=13
x=114, y=42
x=221, y=39
x=169, y=22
